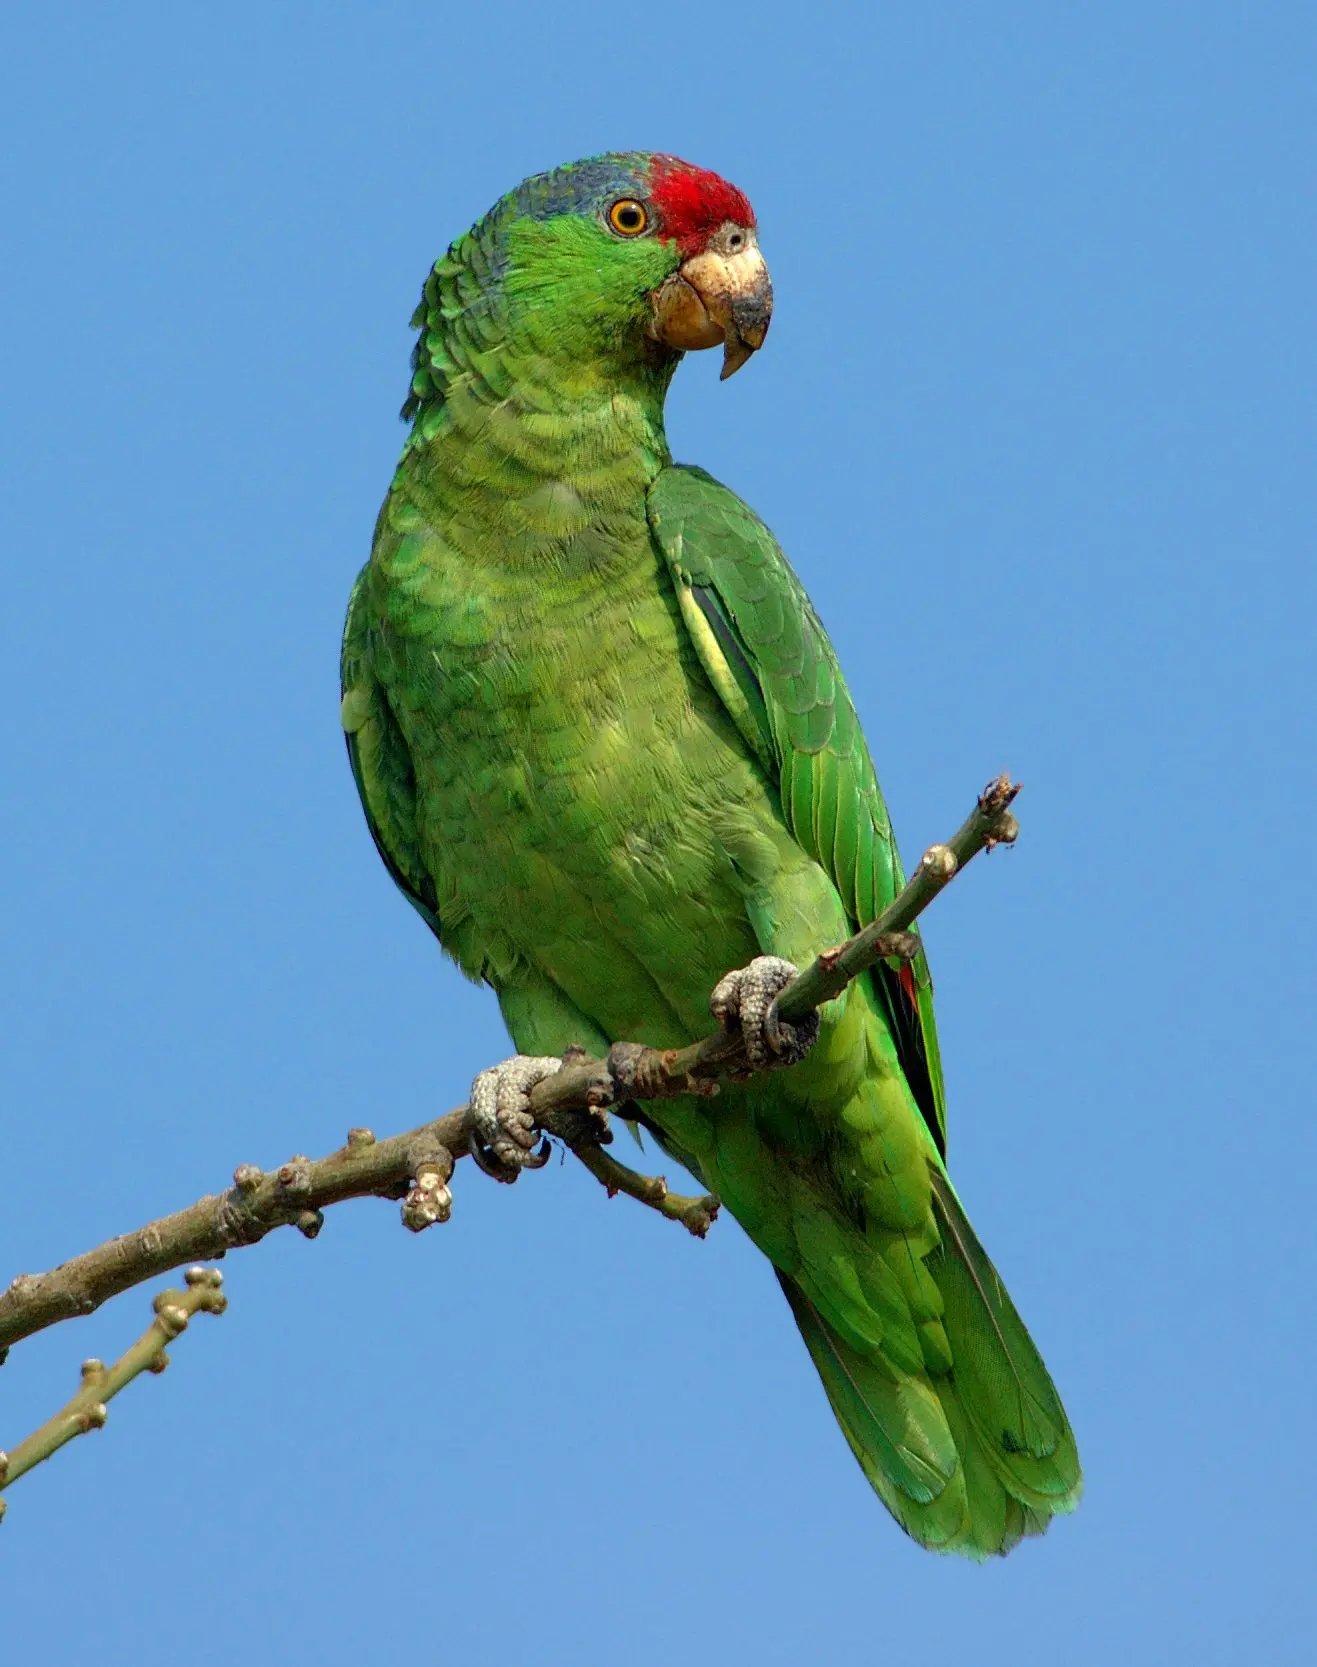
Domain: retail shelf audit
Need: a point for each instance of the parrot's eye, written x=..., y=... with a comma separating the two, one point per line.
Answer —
x=628, y=218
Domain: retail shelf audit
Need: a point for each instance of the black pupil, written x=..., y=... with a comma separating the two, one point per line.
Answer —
x=629, y=217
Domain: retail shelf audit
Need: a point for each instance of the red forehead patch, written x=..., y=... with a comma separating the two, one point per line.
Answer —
x=694, y=202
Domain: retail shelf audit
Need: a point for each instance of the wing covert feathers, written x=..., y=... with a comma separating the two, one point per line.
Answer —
x=768, y=657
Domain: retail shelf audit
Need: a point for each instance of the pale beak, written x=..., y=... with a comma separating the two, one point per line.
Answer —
x=723, y=294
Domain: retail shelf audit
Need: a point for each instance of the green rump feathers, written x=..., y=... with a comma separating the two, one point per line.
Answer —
x=606, y=750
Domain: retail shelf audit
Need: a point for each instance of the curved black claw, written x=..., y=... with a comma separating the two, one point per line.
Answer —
x=748, y=997
x=493, y=1165
x=503, y=1138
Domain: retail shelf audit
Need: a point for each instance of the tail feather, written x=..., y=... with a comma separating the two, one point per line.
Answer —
x=928, y=1501
x=995, y=1415
x=996, y=1521
x=1008, y=1396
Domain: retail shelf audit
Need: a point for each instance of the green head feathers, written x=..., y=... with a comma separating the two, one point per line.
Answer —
x=599, y=271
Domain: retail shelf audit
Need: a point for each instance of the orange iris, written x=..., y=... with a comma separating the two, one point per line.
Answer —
x=628, y=218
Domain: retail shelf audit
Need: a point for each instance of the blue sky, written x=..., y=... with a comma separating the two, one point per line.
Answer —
x=1036, y=425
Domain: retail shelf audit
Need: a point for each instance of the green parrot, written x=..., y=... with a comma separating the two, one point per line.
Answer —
x=605, y=749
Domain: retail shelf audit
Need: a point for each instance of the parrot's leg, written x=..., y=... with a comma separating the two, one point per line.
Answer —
x=503, y=1142
x=748, y=997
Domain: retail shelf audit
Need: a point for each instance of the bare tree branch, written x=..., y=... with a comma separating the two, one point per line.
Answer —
x=415, y=1167
x=87, y=1410
x=696, y=1215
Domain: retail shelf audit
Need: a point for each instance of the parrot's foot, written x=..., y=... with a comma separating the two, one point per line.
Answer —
x=503, y=1141
x=748, y=996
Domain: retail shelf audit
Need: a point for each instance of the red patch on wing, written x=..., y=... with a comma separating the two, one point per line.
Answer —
x=907, y=980
x=694, y=203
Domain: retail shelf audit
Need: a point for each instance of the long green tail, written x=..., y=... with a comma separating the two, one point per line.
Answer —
x=969, y=1460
